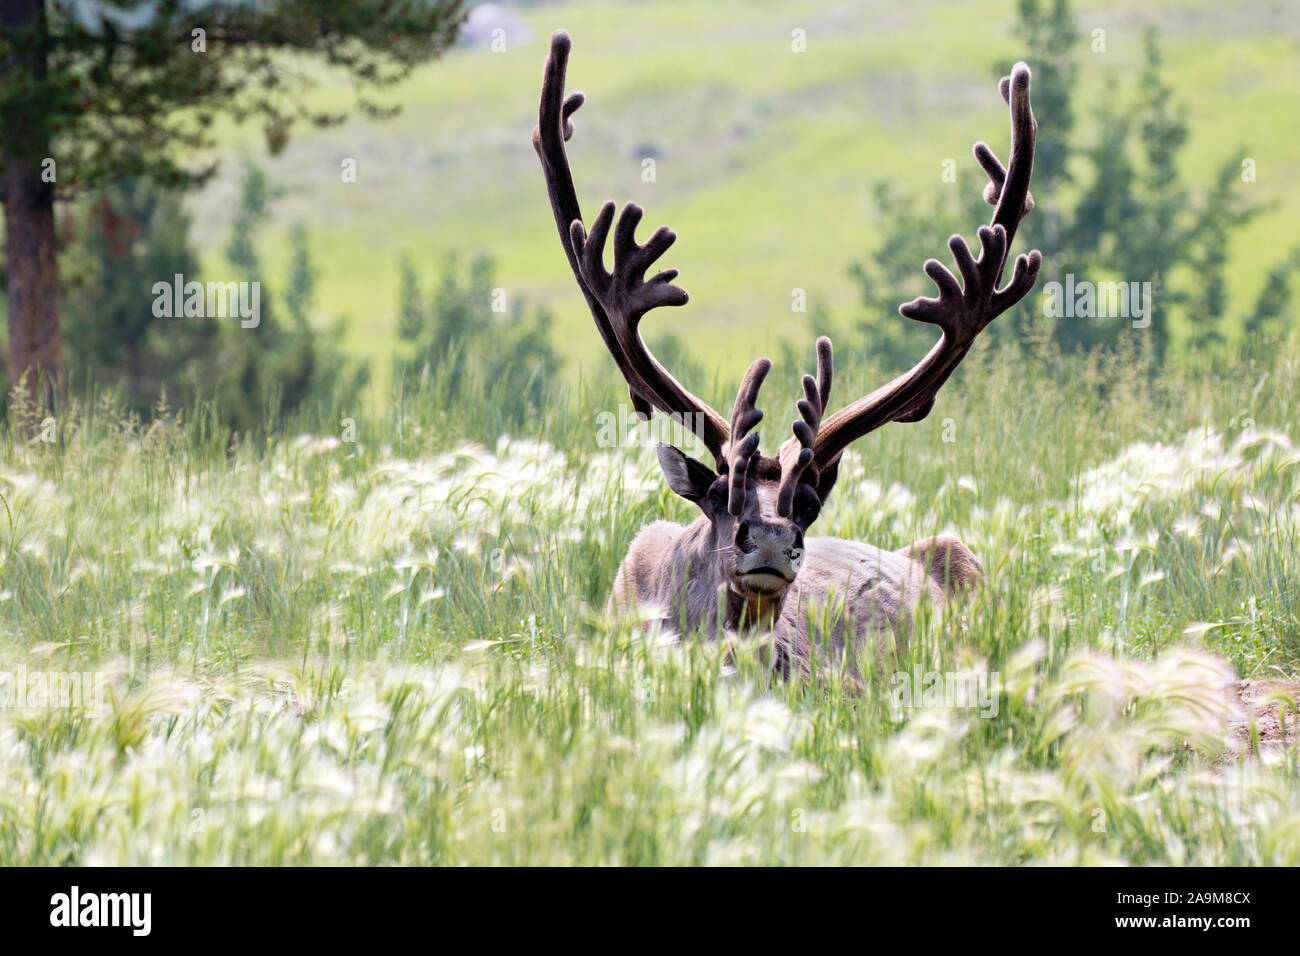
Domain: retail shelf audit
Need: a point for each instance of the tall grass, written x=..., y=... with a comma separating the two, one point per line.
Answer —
x=393, y=650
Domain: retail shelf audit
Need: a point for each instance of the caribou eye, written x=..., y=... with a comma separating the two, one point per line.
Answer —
x=718, y=494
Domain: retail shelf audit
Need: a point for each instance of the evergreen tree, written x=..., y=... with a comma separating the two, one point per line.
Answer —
x=466, y=344
x=1133, y=217
x=93, y=90
x=132, y=236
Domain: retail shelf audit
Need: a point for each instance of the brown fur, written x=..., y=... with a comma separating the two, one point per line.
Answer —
x=849, y=601
x=949, y=563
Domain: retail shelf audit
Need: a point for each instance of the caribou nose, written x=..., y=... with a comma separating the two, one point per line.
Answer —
x=769, y=548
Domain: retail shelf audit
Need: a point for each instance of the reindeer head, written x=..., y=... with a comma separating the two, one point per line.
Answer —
x=760, y=549
x=760, y=507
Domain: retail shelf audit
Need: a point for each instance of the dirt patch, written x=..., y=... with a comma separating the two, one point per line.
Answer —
x=1258, y=700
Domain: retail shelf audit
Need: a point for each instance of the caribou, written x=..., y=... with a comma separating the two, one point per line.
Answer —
x=746, y=564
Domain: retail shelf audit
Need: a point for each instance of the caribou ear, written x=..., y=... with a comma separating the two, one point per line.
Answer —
x=686, y=477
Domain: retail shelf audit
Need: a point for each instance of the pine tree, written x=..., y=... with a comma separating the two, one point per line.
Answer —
x=94, y=91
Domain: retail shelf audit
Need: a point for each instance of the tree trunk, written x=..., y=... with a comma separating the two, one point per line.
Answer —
x=35, y=344
x=32, y=270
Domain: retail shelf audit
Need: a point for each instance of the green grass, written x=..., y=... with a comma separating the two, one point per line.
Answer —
x=766, y=158
x=393, y=651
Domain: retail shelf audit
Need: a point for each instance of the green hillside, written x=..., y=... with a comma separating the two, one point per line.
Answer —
x=766, y=158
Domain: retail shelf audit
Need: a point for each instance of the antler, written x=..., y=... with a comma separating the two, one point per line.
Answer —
x=960, y=311
x=620, y=299
x=742, y=447
x=796, y=454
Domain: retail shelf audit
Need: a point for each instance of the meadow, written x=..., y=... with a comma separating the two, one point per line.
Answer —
x=378, y=635
x=385, y=642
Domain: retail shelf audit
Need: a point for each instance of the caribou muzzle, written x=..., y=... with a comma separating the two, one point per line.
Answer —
x=769, y=555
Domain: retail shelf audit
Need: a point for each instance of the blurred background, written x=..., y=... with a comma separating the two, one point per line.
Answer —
x=369, y=164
